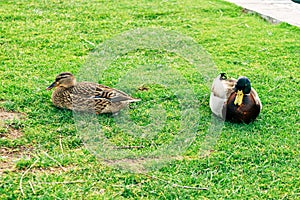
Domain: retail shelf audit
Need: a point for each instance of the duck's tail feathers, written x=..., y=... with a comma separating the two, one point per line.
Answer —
x=133, y=100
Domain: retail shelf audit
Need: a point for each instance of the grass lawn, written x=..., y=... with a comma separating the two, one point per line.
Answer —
x=43, y=155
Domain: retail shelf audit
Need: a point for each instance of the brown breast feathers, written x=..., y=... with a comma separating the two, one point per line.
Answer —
x=245, y=113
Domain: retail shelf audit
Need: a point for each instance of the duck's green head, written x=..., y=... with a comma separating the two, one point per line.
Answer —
x=64, y=79
x=242, y=87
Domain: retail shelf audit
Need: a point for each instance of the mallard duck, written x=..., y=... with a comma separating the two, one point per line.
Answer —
x=234, y=100
x=87, y=96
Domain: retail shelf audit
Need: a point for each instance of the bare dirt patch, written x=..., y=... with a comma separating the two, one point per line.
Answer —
x=51, y=170
x=11, y=133
x=9, y=156
x=9, y=129
x=5, y=115
x=7, y=119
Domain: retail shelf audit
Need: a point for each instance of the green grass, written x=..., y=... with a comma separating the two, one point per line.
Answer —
x=41, y=39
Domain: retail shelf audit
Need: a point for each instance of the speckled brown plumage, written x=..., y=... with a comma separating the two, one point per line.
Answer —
x=87, y=96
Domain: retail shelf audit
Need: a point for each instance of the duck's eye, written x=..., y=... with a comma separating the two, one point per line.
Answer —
x=60, y=78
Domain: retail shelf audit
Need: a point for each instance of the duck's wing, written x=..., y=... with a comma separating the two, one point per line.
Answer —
x=220, y=91
x=216, y=105
x=113, y=95
x=96, y=91
x=223, y=88
x=217, y=88
x=85, y=103
x=256, y=98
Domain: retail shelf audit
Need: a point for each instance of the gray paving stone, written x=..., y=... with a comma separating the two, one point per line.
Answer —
x=281, y=10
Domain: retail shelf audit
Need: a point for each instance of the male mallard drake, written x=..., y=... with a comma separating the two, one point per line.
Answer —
x=87, y=96
x=234, y=100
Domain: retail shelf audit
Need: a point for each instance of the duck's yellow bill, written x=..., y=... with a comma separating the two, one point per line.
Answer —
x=239, y=98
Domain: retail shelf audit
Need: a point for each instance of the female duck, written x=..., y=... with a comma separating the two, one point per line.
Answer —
x=87, y=96
x=234, y=100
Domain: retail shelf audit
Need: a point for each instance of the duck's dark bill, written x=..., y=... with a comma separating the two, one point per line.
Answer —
x=51, y=86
